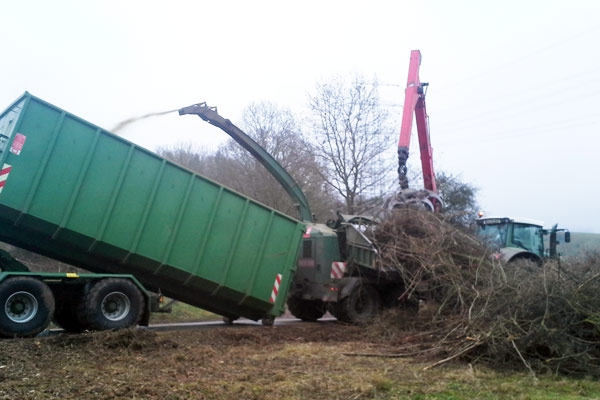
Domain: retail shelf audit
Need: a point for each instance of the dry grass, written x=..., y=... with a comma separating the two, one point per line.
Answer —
x=306, y=361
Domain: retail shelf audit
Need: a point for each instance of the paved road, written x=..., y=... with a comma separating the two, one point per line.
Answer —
x=209, y=324
x=239, y=322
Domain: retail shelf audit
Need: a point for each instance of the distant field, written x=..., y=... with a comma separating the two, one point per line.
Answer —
x=580, y=243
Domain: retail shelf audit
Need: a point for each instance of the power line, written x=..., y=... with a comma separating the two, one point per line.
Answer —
x=518, y=59
x=549, y=129
x=495, y=114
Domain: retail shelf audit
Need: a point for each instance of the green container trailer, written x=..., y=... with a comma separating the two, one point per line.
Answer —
x=77, y=193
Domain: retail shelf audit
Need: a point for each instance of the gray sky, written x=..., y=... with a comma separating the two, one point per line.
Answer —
x=514, y=85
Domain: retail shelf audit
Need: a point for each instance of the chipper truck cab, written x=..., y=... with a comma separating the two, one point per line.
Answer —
x=339, y=269
x=520, y=238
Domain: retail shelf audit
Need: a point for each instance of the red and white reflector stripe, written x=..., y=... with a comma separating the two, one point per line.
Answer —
x=337, y=269
x=307, y=233
x=275, y=291
x=4, y=175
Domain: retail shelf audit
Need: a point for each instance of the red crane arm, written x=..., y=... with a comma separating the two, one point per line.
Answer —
x=414, y=105
x=425, y=145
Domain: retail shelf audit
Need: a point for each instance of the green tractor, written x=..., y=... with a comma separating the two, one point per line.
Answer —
x=521, y=238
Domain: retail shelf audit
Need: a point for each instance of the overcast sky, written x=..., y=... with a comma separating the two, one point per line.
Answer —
x=513, y=101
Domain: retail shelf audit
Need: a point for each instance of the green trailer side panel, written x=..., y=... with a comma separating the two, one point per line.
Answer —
x=127, y=215
x=85, y=196
x=30, y=163
x=106, y=165
x=194, y=229
x=165, y=211
x=58, y=176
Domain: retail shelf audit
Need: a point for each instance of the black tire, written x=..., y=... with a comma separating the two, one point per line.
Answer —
x=27, y=306
x=111, y=303
x=526, y=263
x=306, y=310
x=359, y=307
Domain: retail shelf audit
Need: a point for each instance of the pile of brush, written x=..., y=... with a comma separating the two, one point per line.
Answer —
x=546, y=318
x=439, y=263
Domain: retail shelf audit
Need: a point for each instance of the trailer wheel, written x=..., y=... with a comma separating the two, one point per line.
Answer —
x=306, y=310
x=360, y=306
x=112, y=303
x=27, y=307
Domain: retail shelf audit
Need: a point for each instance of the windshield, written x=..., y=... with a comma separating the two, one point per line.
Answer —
x=528, y=237
x=493, y=235
x=503, y=233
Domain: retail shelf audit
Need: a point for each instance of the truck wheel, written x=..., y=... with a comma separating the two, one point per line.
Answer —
x=112, y=303
x=27, y=307
x=306, y=310
x=360, y=306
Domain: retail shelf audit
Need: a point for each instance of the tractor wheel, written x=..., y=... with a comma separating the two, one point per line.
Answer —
x=111, y=303
x=27, y=307
x=306, y=310
x=359, y=307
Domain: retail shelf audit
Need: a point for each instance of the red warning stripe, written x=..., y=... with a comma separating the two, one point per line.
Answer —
x=6, y=168
x=307, y=233
x=275, y=291
x=337, y=269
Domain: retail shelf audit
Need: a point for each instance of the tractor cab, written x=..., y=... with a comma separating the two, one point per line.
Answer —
x=514, y=237
x=520, y=238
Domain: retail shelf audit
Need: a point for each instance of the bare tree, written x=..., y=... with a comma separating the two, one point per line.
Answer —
x=277, y=131
x=187, y=155
x=351, y=134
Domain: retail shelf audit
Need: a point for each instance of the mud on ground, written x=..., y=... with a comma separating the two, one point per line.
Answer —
x=226, y=362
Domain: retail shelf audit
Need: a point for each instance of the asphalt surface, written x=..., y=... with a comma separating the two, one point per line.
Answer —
x=239, y=322
x=209, y=324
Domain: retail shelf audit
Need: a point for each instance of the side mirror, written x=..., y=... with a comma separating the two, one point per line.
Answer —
x=567, y=237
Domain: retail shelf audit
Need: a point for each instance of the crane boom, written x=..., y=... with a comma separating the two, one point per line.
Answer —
x=210, y=115
x=415, y=107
